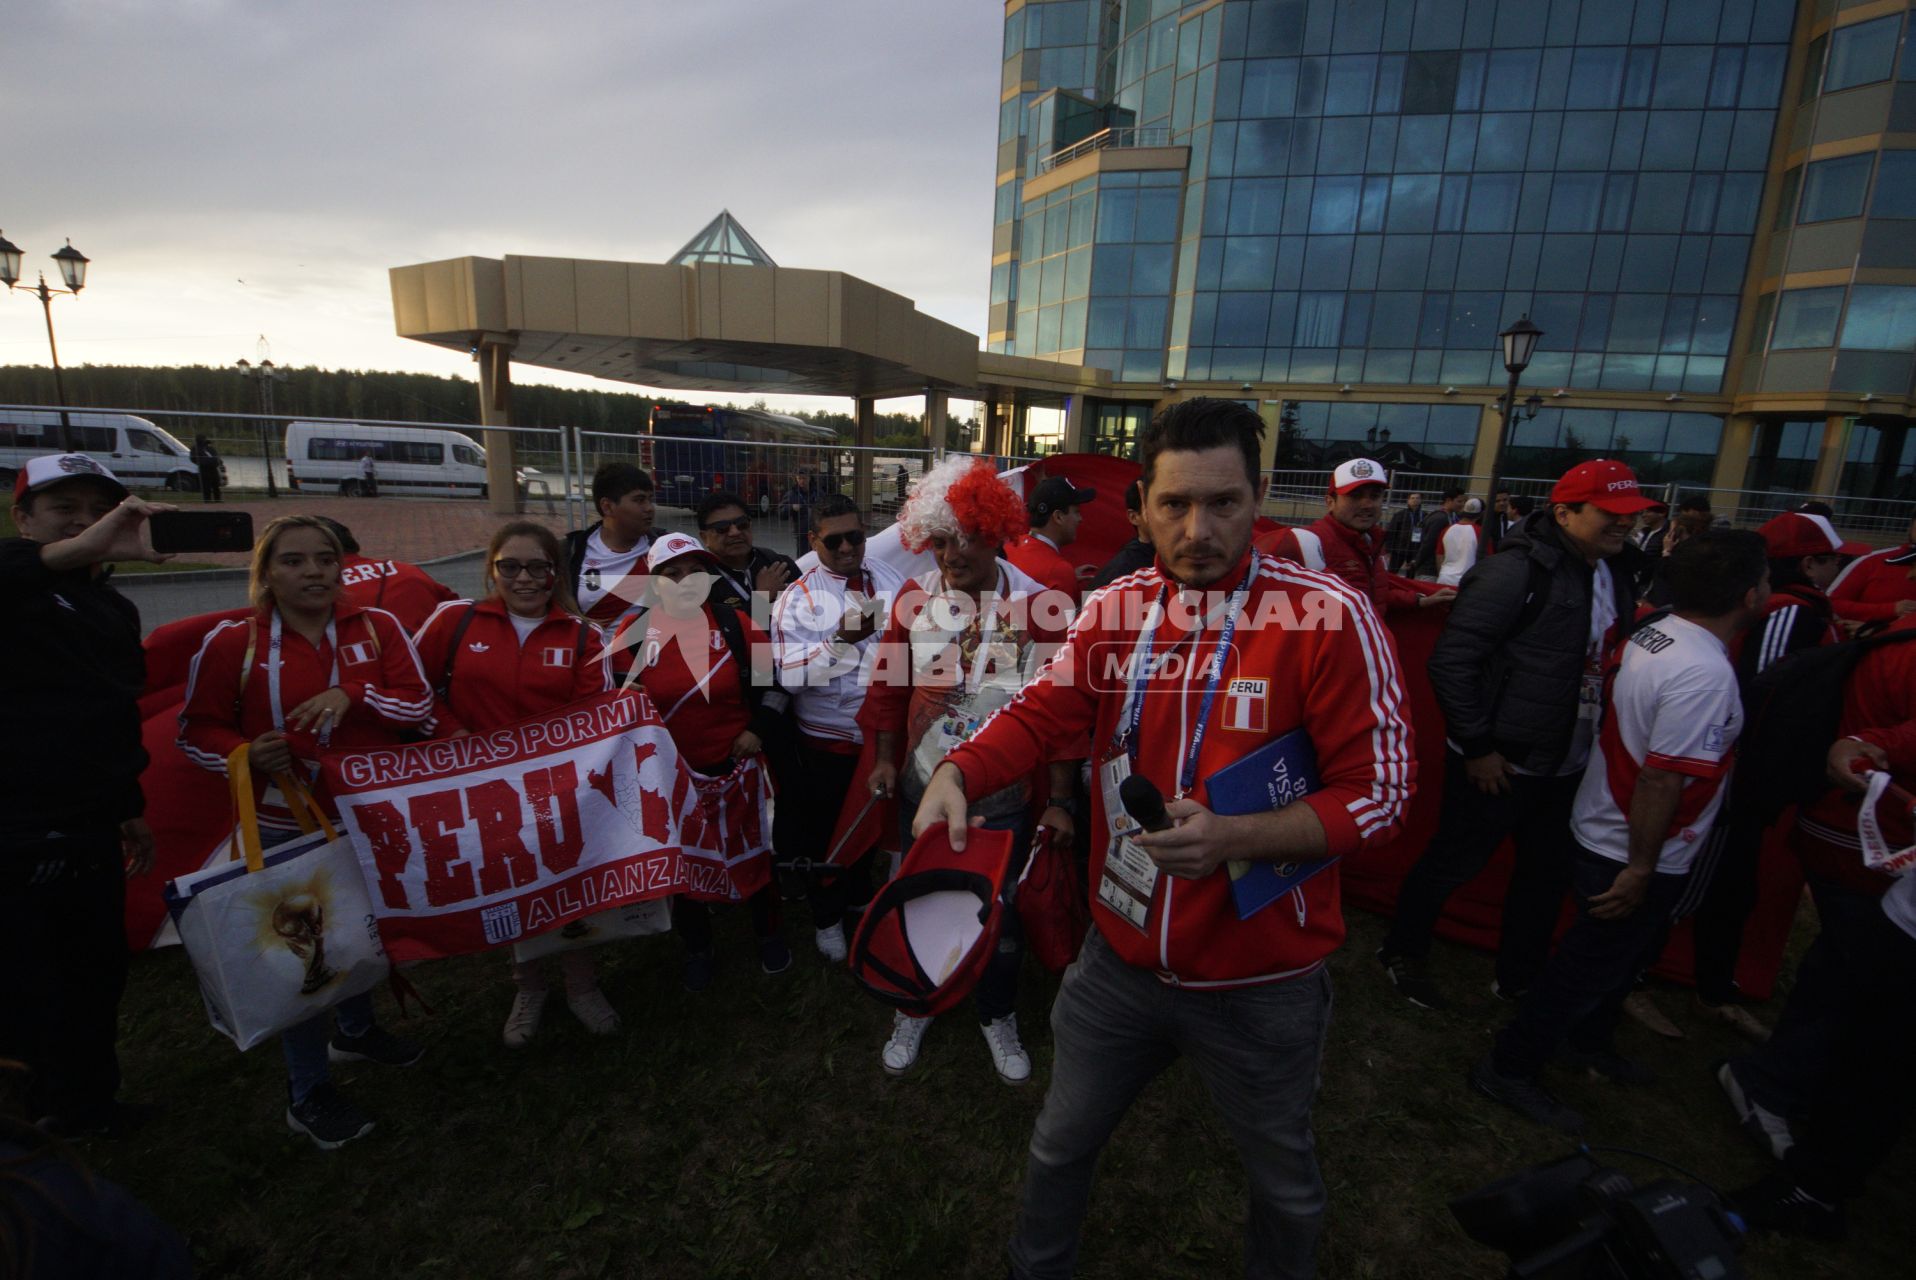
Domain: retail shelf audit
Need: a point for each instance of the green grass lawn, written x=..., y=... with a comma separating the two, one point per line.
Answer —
x=750, y=1131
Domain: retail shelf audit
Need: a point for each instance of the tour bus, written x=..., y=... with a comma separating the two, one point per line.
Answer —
x=693, y=449
x=412, y=461
x=142, y=455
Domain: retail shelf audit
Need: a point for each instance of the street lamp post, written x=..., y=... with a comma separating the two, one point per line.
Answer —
x=265, y=373
x=72, y=270
x=1520, y=344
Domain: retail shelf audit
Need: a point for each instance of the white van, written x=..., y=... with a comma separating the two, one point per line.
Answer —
x=142, y=455
x=407, y=461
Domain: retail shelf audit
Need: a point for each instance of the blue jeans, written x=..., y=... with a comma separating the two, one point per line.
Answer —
x=1259, y=1051
x=304, y=1044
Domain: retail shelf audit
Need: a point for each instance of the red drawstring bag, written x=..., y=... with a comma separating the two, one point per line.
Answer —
x=927, y=934
x=1052, y=904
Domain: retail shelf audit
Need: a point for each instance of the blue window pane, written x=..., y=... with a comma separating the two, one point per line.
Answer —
x=1683, y=77
x=1586, y=139
x=1071, y=327
x=1241, y=319
x=1881, y=318
x=1263, y=147
x=1349, y=84
x=1835, y=188
x=1648, y=262
x=1576, y=200
x=1327, y=264
x=1077, y=273
x=1763, y=77
x=1862, y=54
x=1334, y=205
x=1249, y=262
x=1370, y=216
x=1511, y=84
x=1283, y=319
x=1501, y=141
x=1435, y=322
x=1111, y=269
x=1670, y=139
x=1715, y=318
x=1895, y=186
x=1084, y=211
x=1105, y=325
x=1151, y=270
x=1157, y=218
x=1658, y=204
x=1256, y=206
x=1320, y=319
x=1270, y=87
x=1394, y=319
x=1474, y=319
x=1726, y=75
x=1430, y=82
x=1413, y=203
x=1493, y=202
x=1450, y=205
x=1420, y=143
x=1146, y=322
x=1117, y=215
x=1806, y=318
x=1596, y=79
x=1679, y=320
x=1341, y=145
x=1736, y=209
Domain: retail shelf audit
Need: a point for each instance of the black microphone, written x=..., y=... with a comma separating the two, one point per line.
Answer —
x=1144, y=802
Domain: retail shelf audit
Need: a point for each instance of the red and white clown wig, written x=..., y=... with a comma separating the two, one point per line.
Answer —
x=961, y=497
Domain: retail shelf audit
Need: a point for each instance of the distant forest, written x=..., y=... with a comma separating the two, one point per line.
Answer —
x=356, y=393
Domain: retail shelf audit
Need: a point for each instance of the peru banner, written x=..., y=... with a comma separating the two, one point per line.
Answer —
x=476, y=842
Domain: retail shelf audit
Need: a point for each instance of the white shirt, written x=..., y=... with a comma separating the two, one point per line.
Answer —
x=603, y=592
x=1674, y=706
x=1458, y=552
x=1899, y=903
x=826, y=676
x=524, y=626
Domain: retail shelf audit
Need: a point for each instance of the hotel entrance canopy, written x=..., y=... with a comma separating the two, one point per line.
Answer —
x=714, y=327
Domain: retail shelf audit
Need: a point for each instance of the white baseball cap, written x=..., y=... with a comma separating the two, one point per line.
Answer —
x=1356, y=474
x=673, y=545
x=50, y=469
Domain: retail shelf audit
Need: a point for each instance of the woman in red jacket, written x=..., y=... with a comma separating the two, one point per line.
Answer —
x=520, y=651
x=306, y=673
x=680, y=652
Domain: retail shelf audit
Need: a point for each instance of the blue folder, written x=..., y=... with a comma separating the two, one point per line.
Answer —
x=1271, y=777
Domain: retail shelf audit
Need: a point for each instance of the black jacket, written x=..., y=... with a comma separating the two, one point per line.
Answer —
x=1132, y=556
x=1397, y=535
x=725, y=590
x=575, y=550
x=1435, y=526
x=73, y=671
x=1508, y=667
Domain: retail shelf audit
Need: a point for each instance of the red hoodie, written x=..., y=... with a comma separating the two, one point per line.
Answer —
x=1879, y=707
x=1357, y=558
x=496, y=678
x=1332, y=671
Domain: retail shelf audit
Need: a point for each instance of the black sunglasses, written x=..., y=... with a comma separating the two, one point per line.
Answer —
x=726, y=526
x=833, y=541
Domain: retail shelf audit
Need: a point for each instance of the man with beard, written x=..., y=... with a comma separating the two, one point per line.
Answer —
x=1346, y=541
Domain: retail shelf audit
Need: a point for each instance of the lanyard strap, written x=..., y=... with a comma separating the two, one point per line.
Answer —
x=1133, y=712
x=276, y=642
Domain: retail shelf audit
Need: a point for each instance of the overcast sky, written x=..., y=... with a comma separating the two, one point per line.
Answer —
x=237, y=169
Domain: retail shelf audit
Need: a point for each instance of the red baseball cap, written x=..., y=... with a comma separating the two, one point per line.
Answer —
x=1604, y=481
x=1798, y=533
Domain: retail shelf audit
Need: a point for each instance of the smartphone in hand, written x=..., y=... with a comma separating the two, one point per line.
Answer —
x=174, y=531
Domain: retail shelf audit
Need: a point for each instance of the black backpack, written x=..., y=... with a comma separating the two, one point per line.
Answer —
x=1794, y=708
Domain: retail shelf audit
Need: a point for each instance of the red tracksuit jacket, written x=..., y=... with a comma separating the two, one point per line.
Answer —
x=1331, y=671
x=1879, y=706
x=1044, y=562
x=1869, y=587
x=494, y=679
x=376, y=667
x=1356, y=558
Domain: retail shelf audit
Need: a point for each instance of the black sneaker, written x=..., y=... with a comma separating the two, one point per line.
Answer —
x=1509, y=995
x=1608, y=1064
x=699, y=967
x=1526, y=1097
x=328, y=1119
x=1770, y=1128
x=1411, y=977
x=773, y=955
x=377, y=1045
x=1778, y=1204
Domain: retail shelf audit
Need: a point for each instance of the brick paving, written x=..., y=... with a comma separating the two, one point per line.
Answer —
x=401, y=528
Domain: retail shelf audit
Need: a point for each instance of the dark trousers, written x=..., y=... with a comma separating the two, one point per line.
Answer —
x=1536, y=811
x=210, y=484
x=693, y=919
x=1861, y=978
x=1579, y=996
x=829, y=777
x=1720, y=897
x=63, y=967
x=1787, y=1073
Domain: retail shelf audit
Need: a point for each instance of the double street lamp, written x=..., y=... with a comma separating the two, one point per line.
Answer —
x=73, y=271
x=265, y=374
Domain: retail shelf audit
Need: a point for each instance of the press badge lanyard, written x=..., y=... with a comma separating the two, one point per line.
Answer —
x=986, y=629
x=1147, y=642
x=275, y=639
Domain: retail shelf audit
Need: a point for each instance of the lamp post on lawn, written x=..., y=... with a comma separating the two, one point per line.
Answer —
x=73, y=271
x=1520, y=344
x=265, y=373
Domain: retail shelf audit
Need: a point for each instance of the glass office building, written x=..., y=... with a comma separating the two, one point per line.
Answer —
x=1340, y=203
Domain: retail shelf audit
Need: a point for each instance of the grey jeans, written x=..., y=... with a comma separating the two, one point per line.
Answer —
x=1258, y=1051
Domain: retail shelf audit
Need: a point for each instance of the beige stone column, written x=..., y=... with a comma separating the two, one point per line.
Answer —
x=495, y=410
x=937, y=415
x=1077, y=428
x=1829, y=456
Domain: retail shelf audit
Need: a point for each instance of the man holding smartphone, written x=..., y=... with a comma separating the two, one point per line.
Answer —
x=71, y=672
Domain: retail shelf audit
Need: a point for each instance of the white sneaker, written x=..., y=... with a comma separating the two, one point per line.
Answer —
x=592, y=1008
x=1770, y=1130
x=1007, y=1054
x=901, y=1050
x=831, y=943
x=527, y=1008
